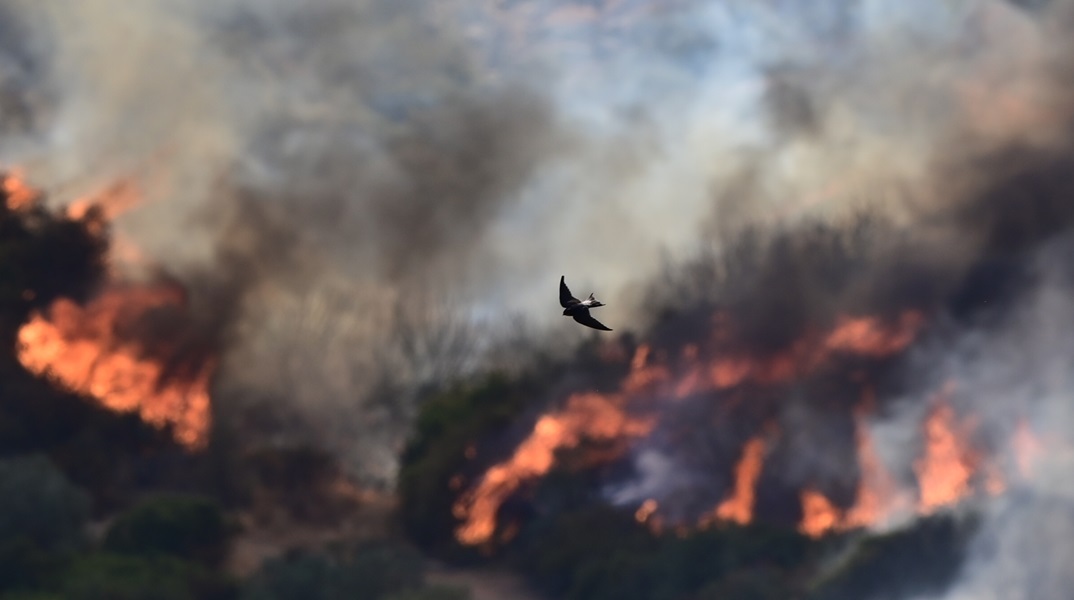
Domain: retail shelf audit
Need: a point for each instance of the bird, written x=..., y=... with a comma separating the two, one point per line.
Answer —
x=579, y=309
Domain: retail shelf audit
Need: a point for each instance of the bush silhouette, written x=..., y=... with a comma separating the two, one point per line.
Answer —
x=187, y=527
x=116, y=577
x=371, y=571
x=932, y=549
x=40, y=505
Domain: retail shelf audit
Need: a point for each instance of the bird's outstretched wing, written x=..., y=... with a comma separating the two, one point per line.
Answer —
x=587, y=319
x=565, y=297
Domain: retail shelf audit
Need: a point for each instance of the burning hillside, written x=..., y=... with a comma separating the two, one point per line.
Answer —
x=748, y=391
x=948, y=468
x=759, y=396
x=128, y=347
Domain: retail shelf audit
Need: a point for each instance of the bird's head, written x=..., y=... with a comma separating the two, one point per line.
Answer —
x=566, y=312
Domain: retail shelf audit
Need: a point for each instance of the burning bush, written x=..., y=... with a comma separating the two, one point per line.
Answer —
x=43, y=256
x=131, y=347
x=443, y=445
x=46, y=258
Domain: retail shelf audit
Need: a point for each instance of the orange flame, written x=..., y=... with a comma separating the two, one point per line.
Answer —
x=79, y=347
x=84, y=347
x=865, y=336
x=945, y=470
x=602, y=417
x=104, y=206
x=878, y=495
x=868, y=336
x=19, y=195
x=591, y=416
x=818, y=514
x=948, y=471
x=739, y=506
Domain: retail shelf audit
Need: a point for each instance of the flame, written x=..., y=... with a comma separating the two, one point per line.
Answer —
x=93, y=349
x=586, y=416
x=642, y=374
x=100, y=208
x=945, y=470
x=868, y=336
x=948, y=471
x=18, y=194
x=818, y=514
x=81, y=347
x=864, y=336
x=878, y=495
x=739, y=506
x=604, y=417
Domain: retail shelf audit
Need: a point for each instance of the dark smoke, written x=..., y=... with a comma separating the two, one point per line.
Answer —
x=970, y=265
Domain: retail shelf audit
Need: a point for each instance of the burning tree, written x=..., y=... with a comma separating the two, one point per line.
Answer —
x=44, y=256
x=127, y=345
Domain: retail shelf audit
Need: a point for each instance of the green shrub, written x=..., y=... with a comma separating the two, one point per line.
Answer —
x=750, y=584
x=114, y=577
x=31, y=596
x=187, y=527
x=370, y=572
x=435, y=592
x=445, y=428
x=24, y=565
x=38, y=504
x=556, y=551
x=931, y=548
x=597, y=553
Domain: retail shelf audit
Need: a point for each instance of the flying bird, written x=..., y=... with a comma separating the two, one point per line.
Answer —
x=579, y=309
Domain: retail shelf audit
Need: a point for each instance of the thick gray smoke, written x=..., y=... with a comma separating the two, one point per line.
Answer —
x=364, y=195
x=1013, y=370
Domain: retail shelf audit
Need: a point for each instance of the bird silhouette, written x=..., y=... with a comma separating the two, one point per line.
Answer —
x=579, y=309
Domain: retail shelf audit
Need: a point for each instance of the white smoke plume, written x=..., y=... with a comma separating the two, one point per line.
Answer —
x=1019, y=370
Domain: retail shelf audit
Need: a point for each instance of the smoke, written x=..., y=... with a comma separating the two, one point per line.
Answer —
x=327, y=177
x=1009, y=371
